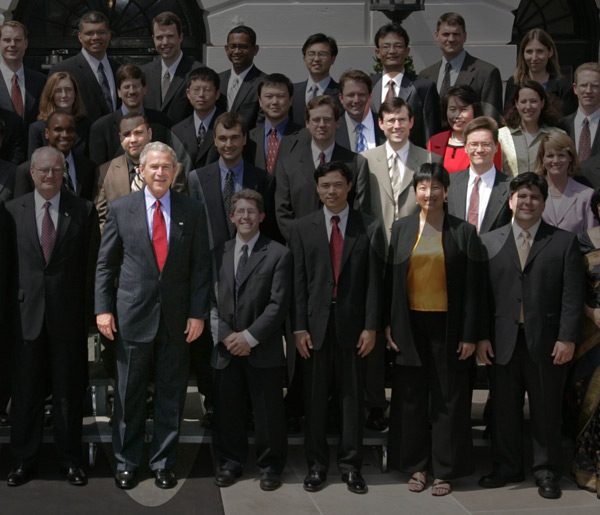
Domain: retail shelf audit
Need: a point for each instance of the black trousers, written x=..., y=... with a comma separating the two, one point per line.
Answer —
x=200, y=358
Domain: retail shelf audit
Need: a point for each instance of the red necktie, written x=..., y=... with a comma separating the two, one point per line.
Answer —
x=321, y=158
x=474, y=204
x=48, y=233
x=336, y=245
x=15, y=96
x=272, y=149
x=159, y=237
x=391, y=93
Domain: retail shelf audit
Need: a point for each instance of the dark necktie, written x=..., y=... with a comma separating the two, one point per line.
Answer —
x=321, y=158
x=201, y=133
x=164, y=85
x=391, y=93
x=585, y=141
x=159, y=237
x=474, y=204
x=272, y=149
x=336, y=244
x=239, y=274
x=68, y=181
x=105, y=88
x=227, y=194
x=48, y=233
x=16, y=96
x=445, y=80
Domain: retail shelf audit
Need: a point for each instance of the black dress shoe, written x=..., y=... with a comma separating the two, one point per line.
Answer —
x=497, y=480
x=376, y=420
x=315, y=481
x=226, y=477
x=164, y=479
x=548, y=488
x=356, y=483
x=4, y=419
x=75, y=476
x=17, y=477
x=126, y=479
x=270, y=481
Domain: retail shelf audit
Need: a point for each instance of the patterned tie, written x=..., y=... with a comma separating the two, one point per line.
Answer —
x=227, y=194
x=391, y=92
x=103, y=81
x=473, y=217
x=159, y=237
x=48, y=233
x=361, y=140
x=321, y=158
x=201, y=133
x=239, y=274
x=16, y=96
x=312, y=93
x=67, y=179
x=232, y=93
x=445, y=80
x=585, y=141
x=336, y=245
x=395, y=179
x=138, y=182
x=272, y=149
x=164, y=85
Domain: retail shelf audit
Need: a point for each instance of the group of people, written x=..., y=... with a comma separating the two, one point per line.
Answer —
x=229, y=224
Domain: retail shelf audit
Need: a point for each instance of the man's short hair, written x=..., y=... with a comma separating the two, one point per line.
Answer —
x=321, y=38
x=56, y=113
x=168, y=18
x=243, y=29
x=276, y=79
x=323, y=100
x=37, y=155
x=93, y=17
x=157, y=146
x=390, y=28
x=230, y=120
x=15, y=25
x=130, y=116
x=129, y=71
x=482, y=123
x=203, y=73
x=248, y=194
x=358, y=76
x=529, y=179
x=391, y=105
x=452, y=19
x=586, y=67
x=334, y=166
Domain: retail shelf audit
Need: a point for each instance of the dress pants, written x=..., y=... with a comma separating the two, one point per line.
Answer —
x=63, y=364
x=335, y=367
x=200, y=357
x=430, y=418
x=233, y=385
x=544, y=384
x=169, y=359
x=375, y=376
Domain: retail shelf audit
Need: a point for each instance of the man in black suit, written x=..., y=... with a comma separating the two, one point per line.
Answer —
x=93, y=70
x=391, y=42
x=253, y=296
x=338, y=279
x=104, y=132
x=155, y=247
x=458, y=67
x=295, y=195
x=5, y=348
x=55, y=239
x=319, y=52
x=239, y=85
x=358, y=130
x=480, y=193
x=14, y=142
x=8, y=172
x=193, y=137
x=536, y=294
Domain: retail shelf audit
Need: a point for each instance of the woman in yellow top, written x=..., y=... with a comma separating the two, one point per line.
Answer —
x=432, y=322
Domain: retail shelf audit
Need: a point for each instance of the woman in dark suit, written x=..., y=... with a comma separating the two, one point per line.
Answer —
x=431, y=314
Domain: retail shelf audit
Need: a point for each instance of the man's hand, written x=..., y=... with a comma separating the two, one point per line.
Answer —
x=366, y=343
x=304, y=344
x=193, y=329
x=388, y=337
x=237, y=344
x=485, y=352
x=563, y=352
x=465, y=350
x=106, y=325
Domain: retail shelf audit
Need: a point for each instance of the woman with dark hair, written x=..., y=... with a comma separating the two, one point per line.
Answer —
x=538, y=60
x=532, y=114
x=432, y=322
x=460, y=105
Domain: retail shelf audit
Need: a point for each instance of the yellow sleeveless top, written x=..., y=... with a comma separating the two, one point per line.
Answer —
x=426, y=280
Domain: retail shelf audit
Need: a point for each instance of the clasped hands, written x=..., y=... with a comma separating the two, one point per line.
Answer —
x=366, y=343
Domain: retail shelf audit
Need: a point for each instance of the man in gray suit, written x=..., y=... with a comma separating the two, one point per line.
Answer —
x=155, y=247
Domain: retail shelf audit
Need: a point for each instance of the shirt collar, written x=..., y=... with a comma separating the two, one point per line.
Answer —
x=397, y=79
x=40, y=201
x=402, y=153
x=343, y=214
x=516, y=228
x=238, y=170
x=242, y=75
x=322, y=84
x=150, y=199
x=280, y=127
x=367, y=121
x=7, y=72
x=457, y=62
x=206, y=121
x=172, y=69
x=239, y=243
x=93, y=62
x=579, y=117
x=316, y=151
x=487, y=178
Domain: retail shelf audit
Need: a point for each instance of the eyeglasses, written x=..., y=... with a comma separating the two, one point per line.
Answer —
x=475, y=146
x=242, y=212
x=205, y=89
x=396, y=46
x=322, y=54
x=47, y=171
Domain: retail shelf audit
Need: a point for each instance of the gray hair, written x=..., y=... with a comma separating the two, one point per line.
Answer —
x=157, y=146
x=38, y=155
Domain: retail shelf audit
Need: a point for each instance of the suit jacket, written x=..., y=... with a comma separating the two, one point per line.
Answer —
x=342, y=138
x=574, y=214
x=59, y=292
x=85, y=170
x=254, y=151
x=145, y=295
x=34, y=85
x=382, y=196
x=8, y=172
x=482, y=76
x=561, y=88
x=263, y=300
x=104, y=134
x=298, y=110
x=176, y=104
x=551, y=289
x=424, y=100
x=5, y=258
x=568, y=125
x=590, y=169
x=296, y=190
x=360, y=280
x=113, y=183
x=463, y=274
x=14, y=143
x=89, y=89
x=497, y=212
x=205, y=184
x=37, y=137
x=246, y=100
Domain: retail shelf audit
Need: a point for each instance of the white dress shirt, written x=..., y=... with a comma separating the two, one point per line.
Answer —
x=7, y=74
x=316, y=151
x=593, y=119
x=368, y=130
x=385, y=79
x=485, y=191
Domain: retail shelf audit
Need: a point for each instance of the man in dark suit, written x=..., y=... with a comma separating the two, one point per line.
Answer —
x=14, y=142
x=239, y=85
x=391, y=42
x=93, y=70
x=155, y=243
x=480, y=193
x=458, y=67
x=338, y=279
x=536, y=294
x=81, y=173
x=253, y=296
x=582, y=125
x=104, y=132
x=358, y=130
x=319, y=52
x=295, y=195
x=590, y=169
x=21, y=87
x=166, y=74
x=193, y=137
x=55, y=240
x=5, y=347
x=8, y=171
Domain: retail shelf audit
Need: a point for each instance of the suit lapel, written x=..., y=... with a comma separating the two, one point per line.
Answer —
x=176, y=82
x=352, y=233
x=64, y=221
x=508, y=245
x=140, y=225
x=321, y=238
x=542, y=238
x=5, y=101
x=30, y=225
x=79, y=174
x=382, y=170
x=406, y=88
x=227, y=265
x=457, y=199
x=465, y=75
x=259, y=253
x=498, y=199
x=569, y=198
x=178, y=221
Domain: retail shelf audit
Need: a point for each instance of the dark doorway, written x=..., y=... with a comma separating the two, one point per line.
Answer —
x=53, y=27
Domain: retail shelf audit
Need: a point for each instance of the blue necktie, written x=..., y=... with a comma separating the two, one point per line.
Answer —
x=361, y=140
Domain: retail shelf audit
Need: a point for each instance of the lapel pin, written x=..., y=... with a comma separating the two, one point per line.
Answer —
x=181, y=223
